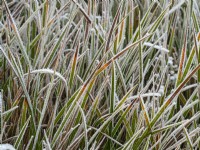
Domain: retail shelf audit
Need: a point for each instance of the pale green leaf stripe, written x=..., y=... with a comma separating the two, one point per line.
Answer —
x=10, y=110
x=140, y=56
x=21, y=134
x=188, y=138
x=85, y=126
x=74, y=63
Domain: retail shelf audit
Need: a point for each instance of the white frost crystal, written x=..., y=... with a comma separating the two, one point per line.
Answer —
x=171, y=72
x=172, y=78
x=161, y=90
x=170, y=62
x=157, y=75
x=6, y=147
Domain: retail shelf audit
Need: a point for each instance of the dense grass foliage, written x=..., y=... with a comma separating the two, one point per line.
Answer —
x=100, y=74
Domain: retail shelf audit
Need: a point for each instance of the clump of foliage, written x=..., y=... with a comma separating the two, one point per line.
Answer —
x=99, y=74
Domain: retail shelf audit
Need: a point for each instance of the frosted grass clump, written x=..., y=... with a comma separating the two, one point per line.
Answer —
x=69, y=67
